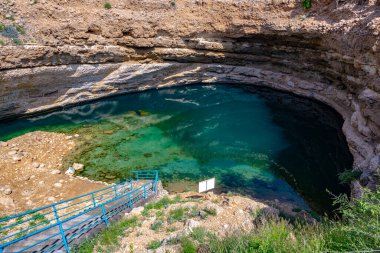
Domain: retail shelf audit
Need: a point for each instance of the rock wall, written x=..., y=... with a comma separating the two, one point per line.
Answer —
x=331, y=54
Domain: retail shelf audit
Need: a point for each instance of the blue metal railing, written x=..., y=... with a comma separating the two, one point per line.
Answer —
x=90, y=209
x=146, y=174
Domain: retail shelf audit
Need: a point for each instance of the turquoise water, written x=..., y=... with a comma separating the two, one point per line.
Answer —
x=258, y=142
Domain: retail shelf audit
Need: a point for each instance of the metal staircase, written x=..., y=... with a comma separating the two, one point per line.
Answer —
x=56, y=227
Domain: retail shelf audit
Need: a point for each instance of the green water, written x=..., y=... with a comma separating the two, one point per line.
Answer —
x=258, y=142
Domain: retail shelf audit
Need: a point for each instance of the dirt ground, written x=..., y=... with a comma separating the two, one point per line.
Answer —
x=30, y=172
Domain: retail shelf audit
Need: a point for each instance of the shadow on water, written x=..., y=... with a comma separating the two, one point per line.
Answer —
x=317, y=152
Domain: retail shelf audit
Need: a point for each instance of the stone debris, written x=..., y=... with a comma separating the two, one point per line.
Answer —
x=30, y=175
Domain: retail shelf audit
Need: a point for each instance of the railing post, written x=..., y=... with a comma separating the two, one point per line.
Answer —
x=137, y=175
x=130, y=201
x=93, y=198
x=61, y=229
x=155, y=182
x=115, y=190
x=104, y=215
x=145, y=192
x=131, y=184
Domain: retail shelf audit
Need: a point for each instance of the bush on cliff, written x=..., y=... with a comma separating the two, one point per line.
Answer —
x=358, y=229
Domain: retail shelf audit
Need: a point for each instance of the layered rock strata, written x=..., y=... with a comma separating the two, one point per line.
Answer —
x=331, y=54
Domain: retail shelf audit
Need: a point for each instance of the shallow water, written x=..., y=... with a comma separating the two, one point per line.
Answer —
x=259, y=142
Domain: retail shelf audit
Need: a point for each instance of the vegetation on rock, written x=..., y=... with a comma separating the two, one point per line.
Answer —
x=358, y=229
x=348, y=176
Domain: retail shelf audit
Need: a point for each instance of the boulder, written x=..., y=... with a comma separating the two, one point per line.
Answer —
x=136, y=211
x=7, y=190
x=190, y=224
x=55, y=172
x=7, y=202
x=58, y=185
x=213, y=208
x=78, y=166
x=17, y=157
x=35, y=165
x=51, y=199
x=12, y=153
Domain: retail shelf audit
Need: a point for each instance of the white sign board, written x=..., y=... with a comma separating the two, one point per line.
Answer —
x=206, y=185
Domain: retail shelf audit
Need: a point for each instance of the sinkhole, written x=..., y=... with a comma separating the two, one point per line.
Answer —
x=255, y=141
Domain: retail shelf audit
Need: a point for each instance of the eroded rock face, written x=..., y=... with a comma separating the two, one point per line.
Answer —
x=331, y=54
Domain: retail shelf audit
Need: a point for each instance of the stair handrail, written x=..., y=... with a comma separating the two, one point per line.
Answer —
x=115, y=192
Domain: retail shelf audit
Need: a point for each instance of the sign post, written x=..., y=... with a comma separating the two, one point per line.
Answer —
x=206, y=185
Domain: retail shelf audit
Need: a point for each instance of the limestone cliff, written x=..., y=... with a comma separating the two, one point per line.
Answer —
x=77, y=51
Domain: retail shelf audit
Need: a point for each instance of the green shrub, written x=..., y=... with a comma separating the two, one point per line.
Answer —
x=188, y=246
x=10, y=32
x=306, y=4
x=357, y=230
x=156, y=225
x=210, y=211
x=199, y=234
x=171, y=229
x=154, y=244
x=348, y=176
x=107, y=6
x=2, y=27
x=177, y=214
x=20, y=29
x=162, y=203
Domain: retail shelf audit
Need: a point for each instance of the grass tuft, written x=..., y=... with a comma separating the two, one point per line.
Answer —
x=107, y=6
x=154, y=245
x=108, y=238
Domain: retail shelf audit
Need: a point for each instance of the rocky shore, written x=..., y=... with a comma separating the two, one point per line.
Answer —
x=31, y=173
